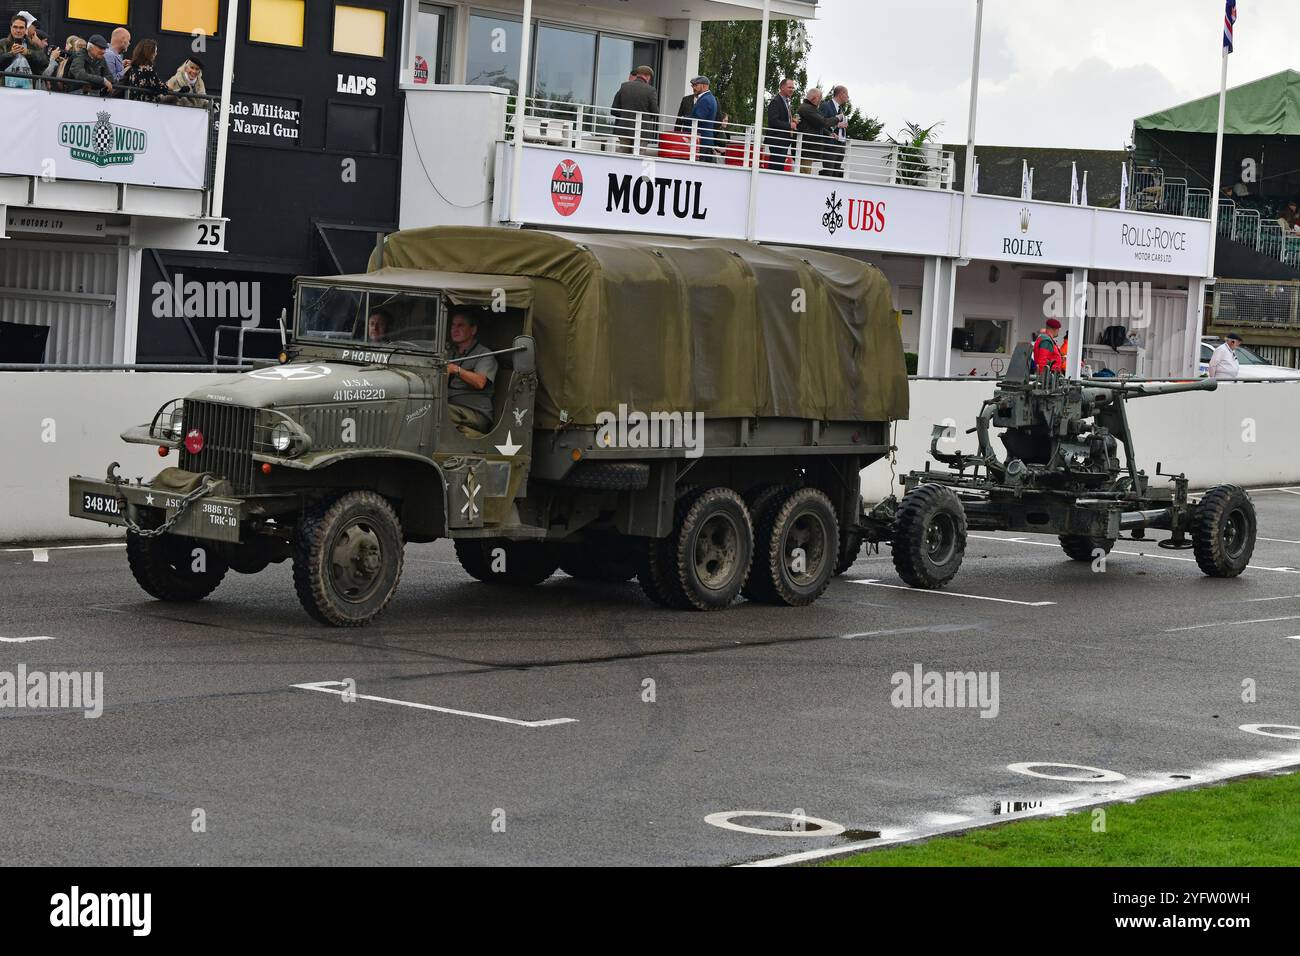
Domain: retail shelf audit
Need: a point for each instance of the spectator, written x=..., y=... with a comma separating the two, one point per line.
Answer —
x=832, y=108
x=30, y=20
x=684, y=111
x=117, y=45
x=781, y=121
x=187, y=84
x=1223, y=360
x=706, y=113
x=813, y=127
x=636, y=98
x=54, y=55
x=140, y=75
x=91, y=68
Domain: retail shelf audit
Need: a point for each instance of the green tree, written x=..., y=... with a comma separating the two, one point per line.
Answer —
x=729, y=58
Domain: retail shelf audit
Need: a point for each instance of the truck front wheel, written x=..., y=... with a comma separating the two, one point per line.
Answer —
x=929, y=536
x=172, y=568
x=348, y=559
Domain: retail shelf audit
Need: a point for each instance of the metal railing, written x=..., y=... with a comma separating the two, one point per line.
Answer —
x=238, y=356
x=574, y=126
x=1152, y=190
x=1249, y=228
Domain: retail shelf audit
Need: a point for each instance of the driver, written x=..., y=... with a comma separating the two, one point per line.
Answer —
x=378, y=326
x=469, y=387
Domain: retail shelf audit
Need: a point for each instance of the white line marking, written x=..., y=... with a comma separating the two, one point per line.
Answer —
x=1284, y=597
x=23, y=640
x=930, y=629
x=825, y=828
x=974, y=597
x=1265, y=730
x=63, y=547
x=1276, y=540
x=1136, y=554
x=1093, y=774
x=1295, y=638
x=1289, y=490
x=329, y=687
x=41, y=554
x=1258, y=620
x=1128, y=791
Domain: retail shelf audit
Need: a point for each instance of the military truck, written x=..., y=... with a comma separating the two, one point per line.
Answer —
x=694, y=413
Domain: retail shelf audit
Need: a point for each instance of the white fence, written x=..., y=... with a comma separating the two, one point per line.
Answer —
x=62, y=424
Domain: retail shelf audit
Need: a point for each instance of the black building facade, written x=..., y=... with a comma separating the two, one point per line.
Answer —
x=315, y=139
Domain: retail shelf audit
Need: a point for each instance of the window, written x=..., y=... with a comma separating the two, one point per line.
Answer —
x=432, y=25
x=276, y=21
x=353, y=127
x=989, y=336
x=619, y=56
x=493, y=55
x=566, y=65
x=97, y=11
x=190, y=16
x=359, y=30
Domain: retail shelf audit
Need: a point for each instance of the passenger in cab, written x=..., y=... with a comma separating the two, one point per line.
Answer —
x=470, y=378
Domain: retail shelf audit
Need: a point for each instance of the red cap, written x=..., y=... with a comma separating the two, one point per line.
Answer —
x=1053, y=324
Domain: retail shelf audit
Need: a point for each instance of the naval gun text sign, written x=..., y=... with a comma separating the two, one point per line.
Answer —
x=270, y=120
x=70, y=136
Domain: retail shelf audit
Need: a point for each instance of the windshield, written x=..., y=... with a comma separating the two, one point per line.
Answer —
x=355, y=317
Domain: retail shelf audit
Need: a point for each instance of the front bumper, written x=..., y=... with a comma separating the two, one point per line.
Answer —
x=210, y=517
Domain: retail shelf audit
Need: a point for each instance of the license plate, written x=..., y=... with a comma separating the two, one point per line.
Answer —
x=100, y=504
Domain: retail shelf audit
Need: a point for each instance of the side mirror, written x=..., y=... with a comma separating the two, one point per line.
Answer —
x=526, y=358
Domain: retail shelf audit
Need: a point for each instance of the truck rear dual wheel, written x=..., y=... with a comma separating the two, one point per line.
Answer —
x=502, y=561
x=1082, y=547
x=796, y=548
x=929, y=536
x=703, y=564
x=1223, y=531
x=347, y=558
x=171, y=568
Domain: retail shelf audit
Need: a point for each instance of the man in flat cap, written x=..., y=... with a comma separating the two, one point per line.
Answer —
x=705, y=112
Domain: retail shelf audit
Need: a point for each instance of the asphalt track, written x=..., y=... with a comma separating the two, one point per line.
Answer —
x=514, y=726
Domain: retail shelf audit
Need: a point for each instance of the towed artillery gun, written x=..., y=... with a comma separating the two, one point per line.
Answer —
x=1063, y=475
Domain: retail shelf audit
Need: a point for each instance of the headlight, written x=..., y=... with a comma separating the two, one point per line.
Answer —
x=177, y=427
x=281, y=437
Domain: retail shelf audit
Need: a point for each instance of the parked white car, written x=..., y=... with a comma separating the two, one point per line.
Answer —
x=1252, y=368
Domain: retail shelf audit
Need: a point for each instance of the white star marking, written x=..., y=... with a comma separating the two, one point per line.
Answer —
x=509, y=448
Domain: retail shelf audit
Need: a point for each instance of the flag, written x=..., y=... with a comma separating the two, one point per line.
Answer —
x=1074, y=184
x=1083, y=196
x=1229, y=18
x=1123, y=187
x=1026, y=190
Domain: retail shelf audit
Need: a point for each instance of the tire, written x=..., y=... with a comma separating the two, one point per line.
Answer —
x=605, y=559
x=850, y=547
x=761, y=501
x=1080, y=547
x=712, y=547
x=347, y=559
x=520, y=563
x=164, y=567
x=929, y=536
x=800, y=519
x=657, y=573
x=1223, y=531
x=609, y=476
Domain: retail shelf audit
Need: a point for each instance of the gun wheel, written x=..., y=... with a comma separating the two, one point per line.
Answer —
x=929, y=536
x=1223, y=531
x=1082, y=547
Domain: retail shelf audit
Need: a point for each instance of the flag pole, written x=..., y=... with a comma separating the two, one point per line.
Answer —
x=1218, y=170
x=969, y=179
x=756, y=149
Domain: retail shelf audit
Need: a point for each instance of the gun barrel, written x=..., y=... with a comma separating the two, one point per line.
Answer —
x=1106, y=392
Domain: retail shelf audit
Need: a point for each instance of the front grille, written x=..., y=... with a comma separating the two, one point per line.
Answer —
x=227, y=442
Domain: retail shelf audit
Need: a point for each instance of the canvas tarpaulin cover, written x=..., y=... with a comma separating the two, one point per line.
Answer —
x=1266, y=107
x=722, y=327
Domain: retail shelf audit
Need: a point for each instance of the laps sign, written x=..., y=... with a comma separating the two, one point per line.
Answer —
x=566, y=188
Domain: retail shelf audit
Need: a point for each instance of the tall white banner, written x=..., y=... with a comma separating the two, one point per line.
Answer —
x=75, y=136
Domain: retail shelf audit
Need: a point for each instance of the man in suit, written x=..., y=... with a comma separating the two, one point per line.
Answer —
x=781, y=122
x=637, y=96
x=684, y=111
x=832, y=108
x=815, y=129
x=706, y=113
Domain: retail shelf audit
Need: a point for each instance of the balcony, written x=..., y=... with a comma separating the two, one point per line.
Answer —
x=94, y=167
